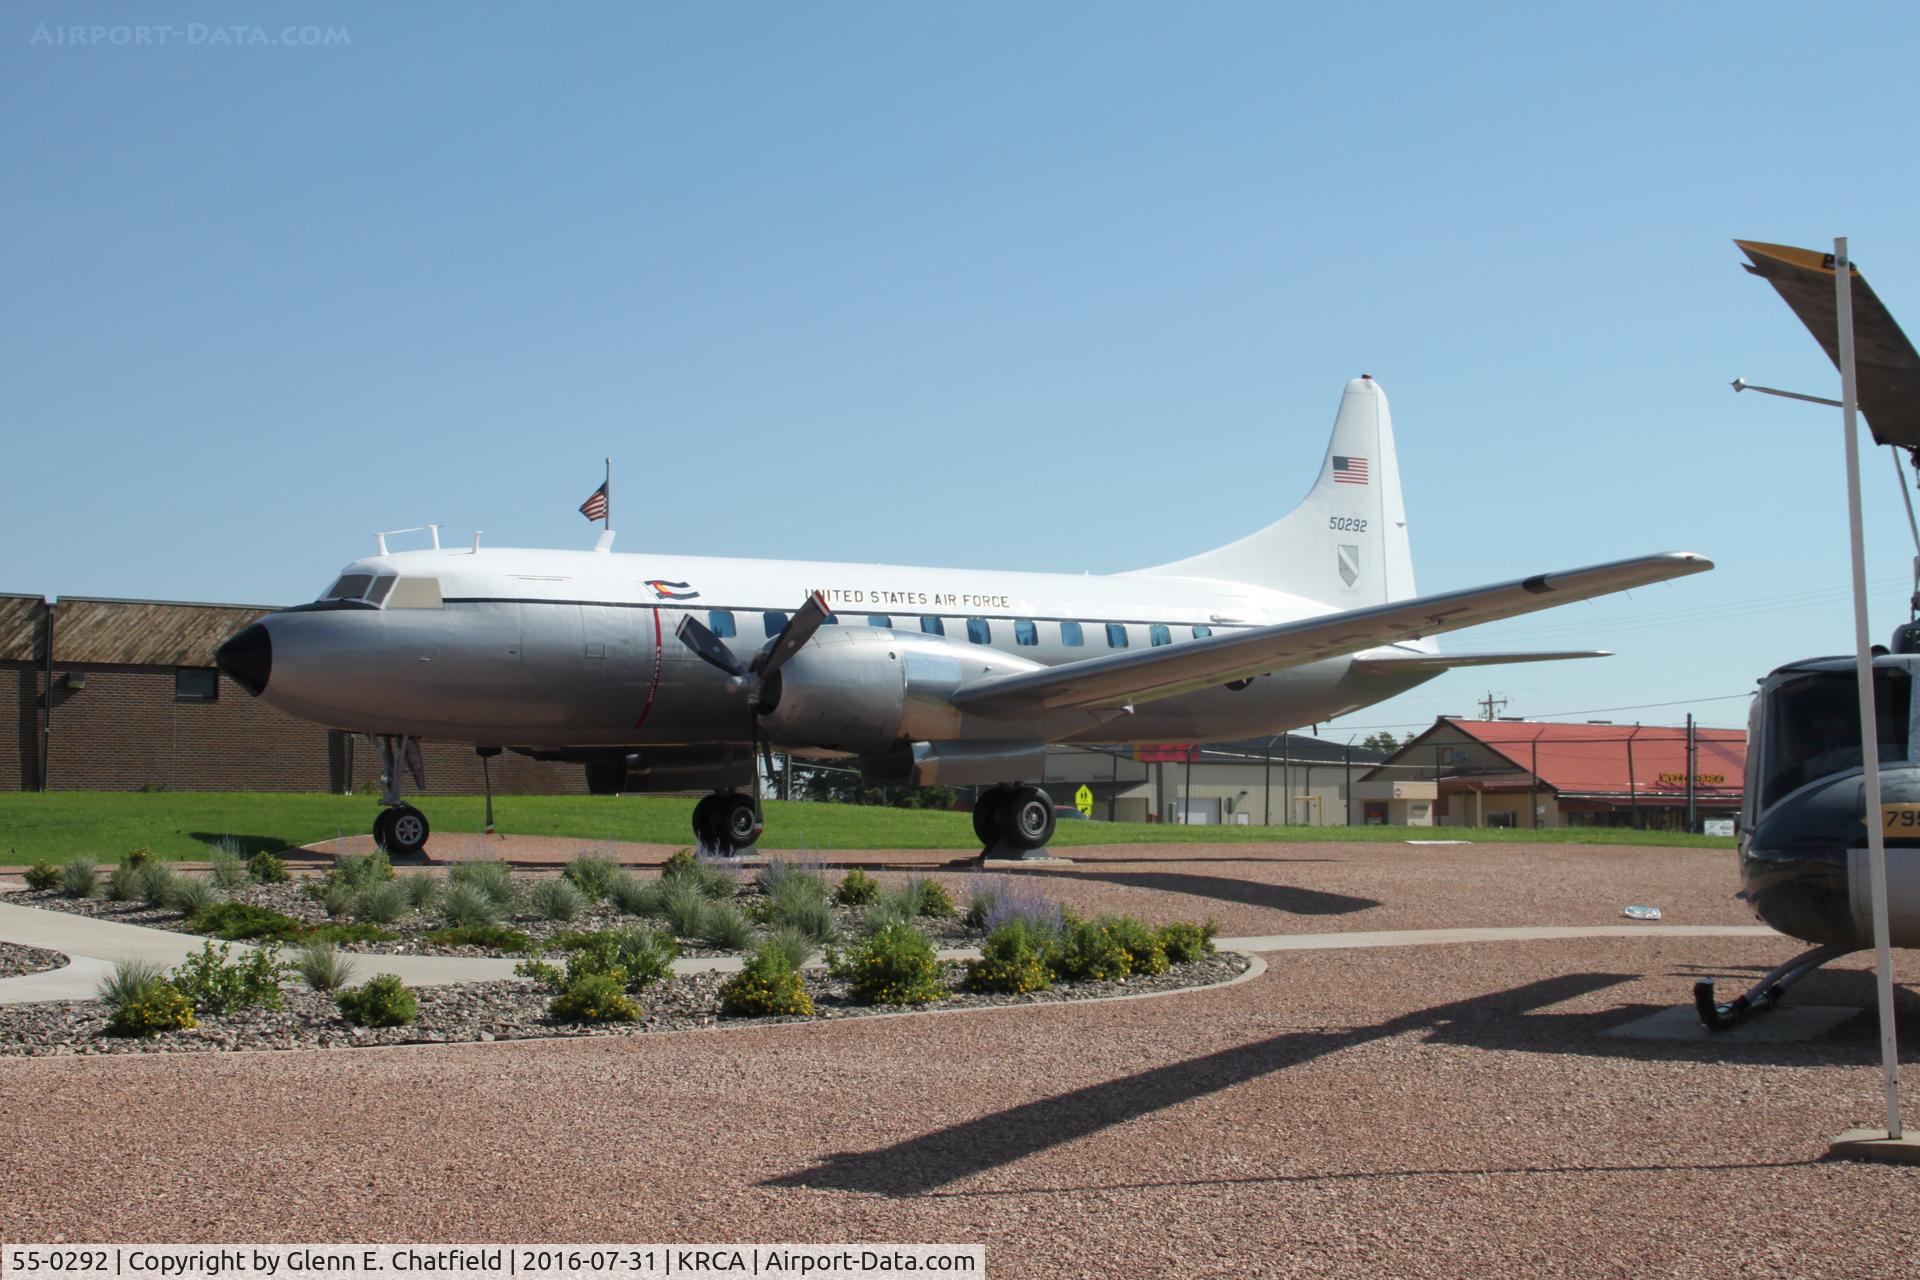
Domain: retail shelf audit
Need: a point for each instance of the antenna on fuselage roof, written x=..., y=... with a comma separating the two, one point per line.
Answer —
x=380, y=539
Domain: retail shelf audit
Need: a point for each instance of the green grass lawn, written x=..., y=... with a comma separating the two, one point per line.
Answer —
x=104, y=825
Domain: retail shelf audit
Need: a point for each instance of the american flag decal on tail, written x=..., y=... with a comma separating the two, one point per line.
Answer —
x=1349, y=470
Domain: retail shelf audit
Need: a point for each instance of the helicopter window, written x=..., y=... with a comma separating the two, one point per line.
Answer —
x=1025, y=632
x=775, y=622
x=721, y=620
x=1814, y=727
x=351, y=586
x=933, y=626
x=415, y=593
x=1071, y=635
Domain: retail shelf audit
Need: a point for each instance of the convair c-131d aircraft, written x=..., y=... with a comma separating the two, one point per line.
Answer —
x=669, y=672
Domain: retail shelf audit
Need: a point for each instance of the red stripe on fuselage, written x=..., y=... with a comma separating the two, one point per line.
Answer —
x=653, y=686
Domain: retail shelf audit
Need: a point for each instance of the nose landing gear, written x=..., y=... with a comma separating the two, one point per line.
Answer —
x=399, y=828
x=1013, y=821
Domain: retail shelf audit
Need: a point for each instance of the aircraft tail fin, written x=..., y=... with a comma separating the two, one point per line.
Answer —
x=1346, y=543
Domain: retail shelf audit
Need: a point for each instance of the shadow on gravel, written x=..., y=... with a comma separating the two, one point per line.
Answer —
x=1249, y=893
x=245, y=846
x=932, y=1161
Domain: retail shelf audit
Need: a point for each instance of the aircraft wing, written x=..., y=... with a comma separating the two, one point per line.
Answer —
x=1142, y=675
x=1438, y=662
x=1887, y=366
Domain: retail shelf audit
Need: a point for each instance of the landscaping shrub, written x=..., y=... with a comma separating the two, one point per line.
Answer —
x=592, y=876
x=492, y=878
x=1185, y=943
x=557, y=899
x=42, y=875
x=782, y=876
x=766, y=987
x=362, y=870
x=123, y=883
x=634, y=958
x=244, y=922
x=382, y=1002
x=137, y=857
x=382, y=903
x=1142, y=944
x=596, y=997
x=897, y=906
x=930, y=897
x=80, y=878
x=128, y=979
x=712, y=878
x=1020, y=899
x=216, y=983
x=810, y=915
x=983, y=894
x=684, y=906
x=190, y=895
x=725, y=926
x=796, y=946
x=470, y=906
x=323, y=967
x=857, y=889
x=421, y=890
x=493, y=936
x=633, y=896
x=1087, y=952
x=682, y=861
x=1013, y=959
x=157, y=1008
x=338, y=897
x=266, y=868
x=229, y=871
x=896, y=965
x=152, y=881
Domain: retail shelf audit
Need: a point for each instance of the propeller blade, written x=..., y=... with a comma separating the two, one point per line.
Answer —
x=696, y=636
x=807, y=619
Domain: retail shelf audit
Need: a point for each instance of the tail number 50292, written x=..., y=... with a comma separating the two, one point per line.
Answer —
x=1346, y=524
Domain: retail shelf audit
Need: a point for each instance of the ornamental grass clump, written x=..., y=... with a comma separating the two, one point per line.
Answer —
x=190, y=895
x=895, y=965
x=228, y=868
x=767, y=986
x=422, y=890
x=216, y=983
x=796, y=946
x=558, y=900
x=804, y=912
x=725, y=926
x=152, y=881
x=487, y=876
x=1184, y=943
x=382, y=902
x=468, y=906
x=1013, y=960
x=123, y=883
x=337, y=897
x=684, y=906
x=592, y=876
x=42, y=875
x=384, y=1001
x=323, y=966
x=80, y=878
x=633, y=896
x=857, y=889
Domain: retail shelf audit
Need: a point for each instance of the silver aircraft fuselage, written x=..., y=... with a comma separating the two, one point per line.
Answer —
x=569, y=649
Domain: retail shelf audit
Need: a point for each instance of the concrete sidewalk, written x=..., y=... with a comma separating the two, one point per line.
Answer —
x=96, y=945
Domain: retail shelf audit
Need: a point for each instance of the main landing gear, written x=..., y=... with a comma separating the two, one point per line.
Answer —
x=727, y=822
x=400, y=828
x=1012, y=821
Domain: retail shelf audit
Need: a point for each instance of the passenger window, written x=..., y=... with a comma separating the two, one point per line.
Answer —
x=933, y=626
x=879, y=620
x=1116, y=635
x=978, y=631
x=775, y=622
x=1071, y=635
x=1201, y=633
x=831, y=620
x=721, y=620
x=415, y=593
x=1024, y=632
x=1159, y=634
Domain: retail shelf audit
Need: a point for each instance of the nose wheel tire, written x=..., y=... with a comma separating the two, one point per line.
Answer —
x=987, y=807
x=727, y=822
x=402, y=831
x=1027, y=821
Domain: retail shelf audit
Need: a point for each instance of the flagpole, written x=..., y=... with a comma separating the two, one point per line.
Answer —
x=607, y=520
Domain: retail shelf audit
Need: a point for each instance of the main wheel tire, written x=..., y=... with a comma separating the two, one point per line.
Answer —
x=407, y=831
x=705, y=833
x=738, y=821
x=1027, y=821
x=383, y=829
x=987, y=808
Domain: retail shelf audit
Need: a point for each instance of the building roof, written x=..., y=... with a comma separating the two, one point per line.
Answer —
x=20, y=627
x=145, y=632
x=1592, y=759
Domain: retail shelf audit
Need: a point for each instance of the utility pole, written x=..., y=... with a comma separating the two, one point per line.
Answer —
x=1492, y=705
x=1691, y=761
x=1533, y=780
x=1633, y=791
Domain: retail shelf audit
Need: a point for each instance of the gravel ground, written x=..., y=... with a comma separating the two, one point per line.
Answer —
x=1421, y=1111
x=488, y=1011
x=16, y=960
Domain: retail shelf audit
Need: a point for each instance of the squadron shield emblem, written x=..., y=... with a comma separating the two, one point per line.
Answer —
x=1349, y=557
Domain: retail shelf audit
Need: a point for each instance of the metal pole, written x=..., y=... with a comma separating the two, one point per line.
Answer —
x=607, y=521
x=1266, y=808
x=1186, y=790
x=46, y=717
x=1633, y=792
x=1286, y=777
x=1869, y=728
x=1533, y=781
x=1113, y=796
x=1691, y=764
x=1349, y=781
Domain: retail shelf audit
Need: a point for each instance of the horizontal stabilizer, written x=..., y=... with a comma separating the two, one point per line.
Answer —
x=1438, y=662
x=1142, y=675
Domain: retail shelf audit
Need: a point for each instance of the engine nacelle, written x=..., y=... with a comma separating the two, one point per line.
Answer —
x=864, y=690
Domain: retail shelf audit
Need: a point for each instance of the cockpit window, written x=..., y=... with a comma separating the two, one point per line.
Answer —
x=381, y=586
x=351, y=586
x=1813, y=727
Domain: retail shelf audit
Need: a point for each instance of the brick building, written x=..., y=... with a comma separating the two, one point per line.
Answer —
x=137, y=703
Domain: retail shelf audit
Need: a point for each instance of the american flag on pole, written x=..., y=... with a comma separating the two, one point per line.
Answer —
x=1349, y=470
x=595, y=508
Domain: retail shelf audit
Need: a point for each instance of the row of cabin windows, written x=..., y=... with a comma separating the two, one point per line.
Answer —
x=979, y=630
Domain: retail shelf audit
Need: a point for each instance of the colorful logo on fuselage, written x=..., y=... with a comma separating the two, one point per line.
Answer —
x=671, y=590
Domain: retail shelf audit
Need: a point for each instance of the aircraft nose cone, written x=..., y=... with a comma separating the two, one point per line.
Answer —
x=247, y=658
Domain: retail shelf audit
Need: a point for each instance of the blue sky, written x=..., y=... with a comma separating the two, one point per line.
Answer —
x=1071, y=286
